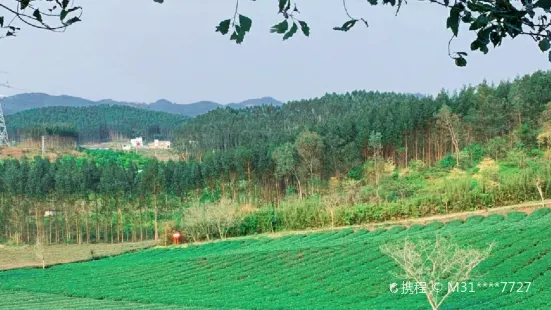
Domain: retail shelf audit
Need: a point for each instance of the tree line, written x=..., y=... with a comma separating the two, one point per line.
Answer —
x=99, y=123
x=107, y=196
x=330, y=136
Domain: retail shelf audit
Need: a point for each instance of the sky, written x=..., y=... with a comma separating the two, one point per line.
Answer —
x=145, y=51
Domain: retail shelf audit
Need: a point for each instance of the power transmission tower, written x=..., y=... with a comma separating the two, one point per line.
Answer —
x=3, y=129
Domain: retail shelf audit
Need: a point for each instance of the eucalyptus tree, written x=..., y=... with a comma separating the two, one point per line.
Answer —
x=309, y=147
x=375, y=144
x=449, y=122
x=68, y=189
x=152, y=183
x=91, y=181
x=14, y=182
x=180, y=180
x=39, y=187
x=285, y=158
x=112, y=185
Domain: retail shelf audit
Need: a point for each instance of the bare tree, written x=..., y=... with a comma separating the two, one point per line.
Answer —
x=194, y=223
x=539, y=181
x=435, y=264
x=450, y=122
x=39, y=252
x=223, y=216
x=203, y=220
x=168, y=228
x=375, y=143
x=331, y=204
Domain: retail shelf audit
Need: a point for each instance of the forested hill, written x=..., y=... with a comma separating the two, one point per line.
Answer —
x=342, y=159
x=21, y=102
x=334, y=134
x=95, y=123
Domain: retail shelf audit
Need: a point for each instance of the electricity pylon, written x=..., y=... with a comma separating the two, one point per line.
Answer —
x=3, y=129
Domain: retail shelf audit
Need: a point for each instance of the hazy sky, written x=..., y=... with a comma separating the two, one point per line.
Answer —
x=138, y=50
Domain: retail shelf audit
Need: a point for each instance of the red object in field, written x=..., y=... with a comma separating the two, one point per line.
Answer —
x=176, y=236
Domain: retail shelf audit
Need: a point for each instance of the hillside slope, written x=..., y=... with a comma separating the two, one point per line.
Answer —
x=331, y=270
x=97, y=123
x=22, y=102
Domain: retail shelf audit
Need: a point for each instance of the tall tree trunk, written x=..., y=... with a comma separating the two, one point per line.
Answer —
x=78, y=229
x=97, y=218
x=540, y=191
x=156, y=216
x=310, y=185
x=141, y=223
x=429, y=145
x=50, y=230
x=249, y=181
x=105, y=232
x=120, y=235
x=37, y=220
x=67, y=223
x=56, y=231
x=416, y=145
x=299, y=187
x=406, y=143
x=87, y=217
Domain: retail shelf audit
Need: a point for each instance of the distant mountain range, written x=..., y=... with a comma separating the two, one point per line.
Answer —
x=26, y=101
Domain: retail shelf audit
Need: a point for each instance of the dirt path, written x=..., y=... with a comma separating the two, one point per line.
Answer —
x=25, y=256
x=527, y=207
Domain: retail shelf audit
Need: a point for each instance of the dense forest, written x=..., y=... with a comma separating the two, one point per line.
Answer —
x=337, y=160
x=93, y=123
x=410, y=127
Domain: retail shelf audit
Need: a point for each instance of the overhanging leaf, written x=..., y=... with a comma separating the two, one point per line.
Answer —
x=282, y=4
x=460, y=62
x=467, y=17
x=280, y=28
x=288, y=7
x=544, y=4
x=240, y=34
x=346, y=26
x=453, y=20
x=37, y=15
x=245, y=23
x=24, y=4
x=475, y=45
x=291, y=32
x=544, y=45
x=495, y=38
x=64, y=12
x=484, y=35
x=223, y=27
x=304, y=27
x=72, y=21
x=484, y=48
x=480, y=22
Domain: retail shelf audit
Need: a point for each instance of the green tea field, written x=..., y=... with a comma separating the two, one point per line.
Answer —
x=342, y=269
